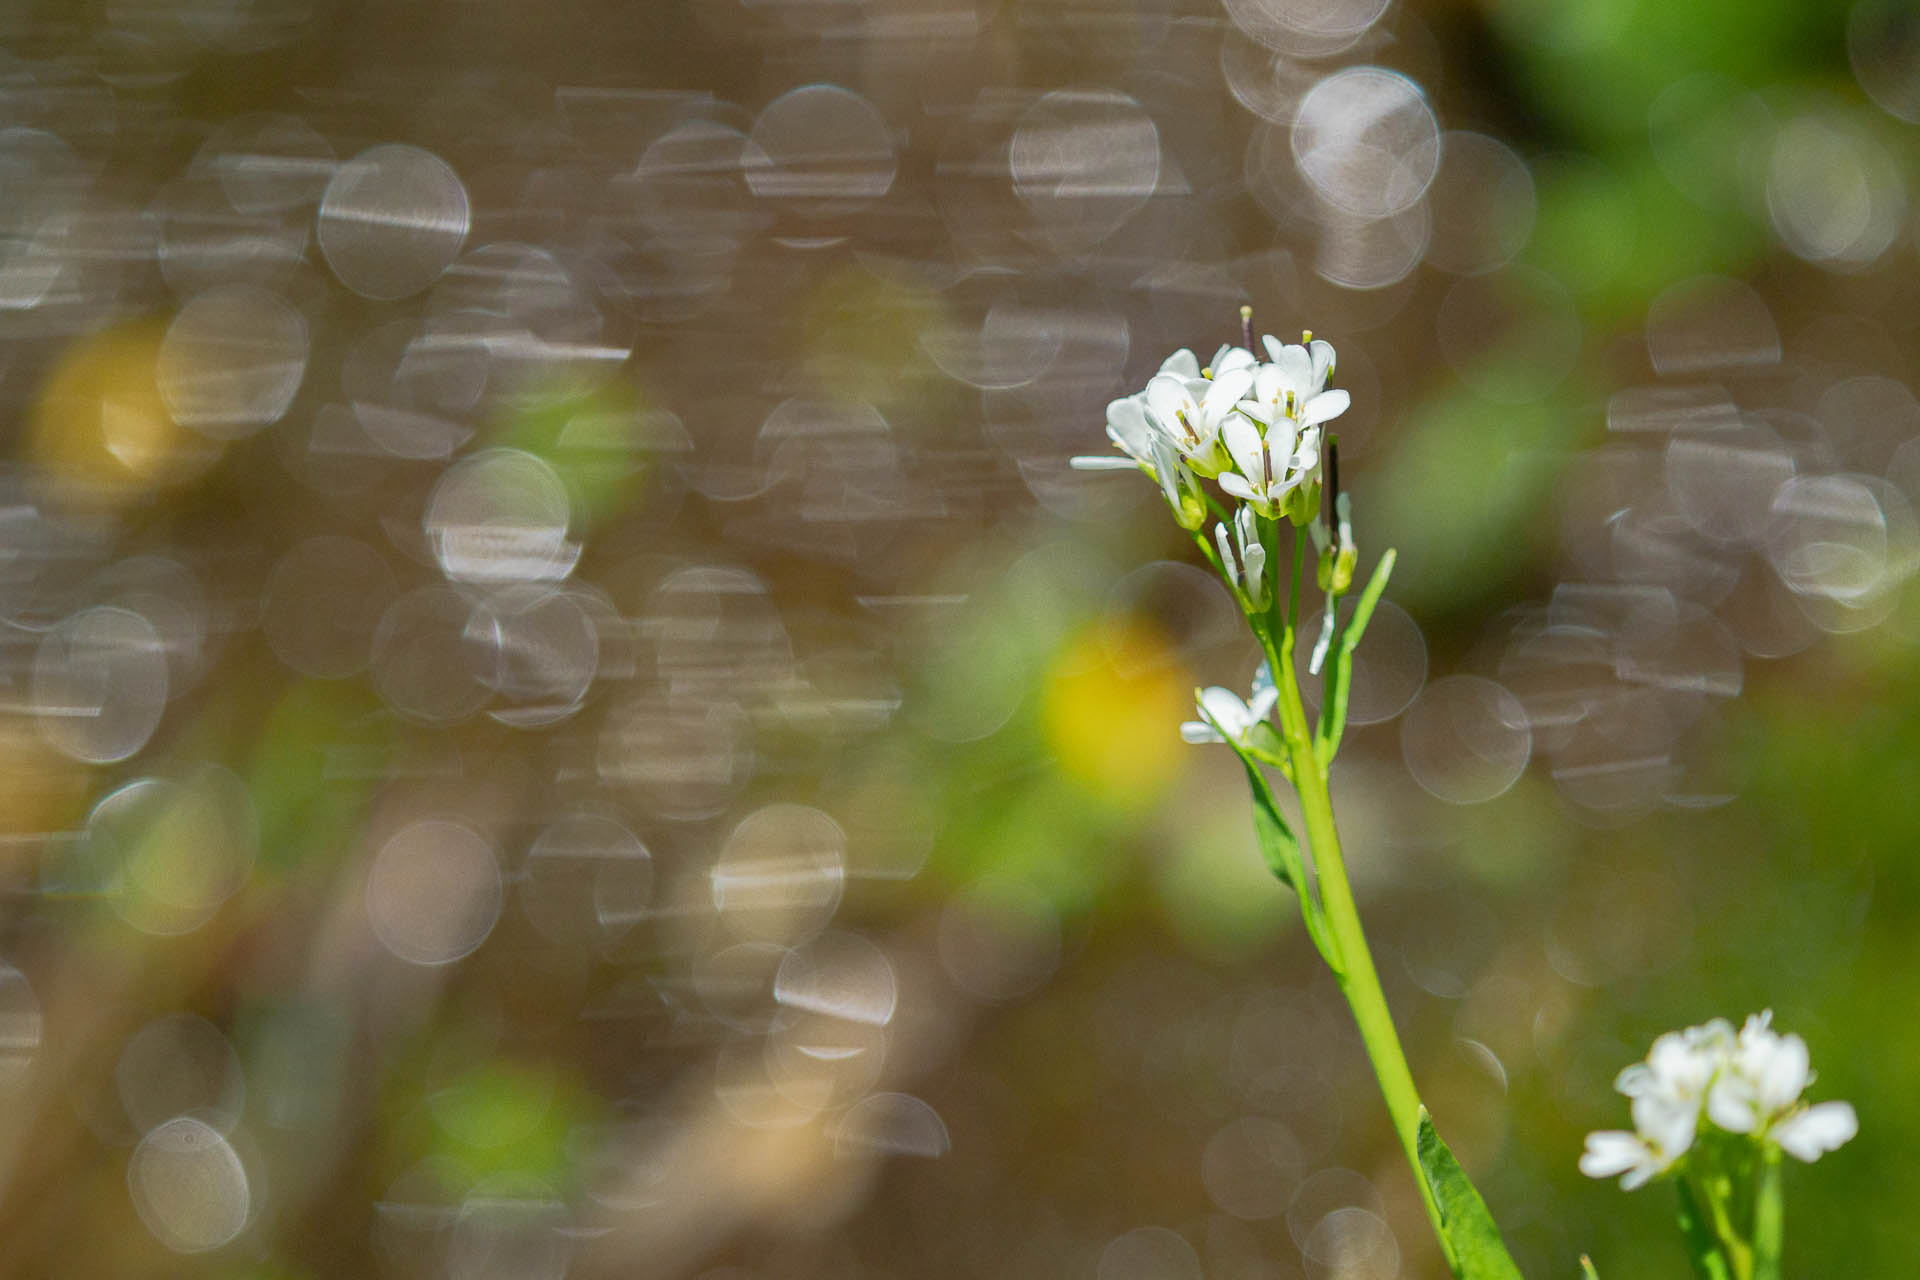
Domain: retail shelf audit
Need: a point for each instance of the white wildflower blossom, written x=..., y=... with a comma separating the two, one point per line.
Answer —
x=1225, y=718
x=1191, y=410
x=1269, y=464
x=1292, y=388
x=1746, y=1084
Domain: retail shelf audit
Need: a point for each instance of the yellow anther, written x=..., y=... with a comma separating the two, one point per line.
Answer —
x=1306, y=336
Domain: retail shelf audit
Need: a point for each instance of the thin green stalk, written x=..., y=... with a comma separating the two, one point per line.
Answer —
x=1352, y=962
x=1769, y=1218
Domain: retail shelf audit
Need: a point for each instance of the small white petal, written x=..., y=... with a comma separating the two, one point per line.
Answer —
x=1784, y=1074
x=1322, y=352
x=1181, y=364
x=1224, y=392
x=1103, y=462
x=1197, y=731
x=1731, y=1104
x=1819, y=1129
x=1611, y=1151
x=1238, y=487
x=1325, y=407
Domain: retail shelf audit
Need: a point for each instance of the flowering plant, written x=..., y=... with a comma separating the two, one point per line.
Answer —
x=1260, y=431
x=1712, y=1109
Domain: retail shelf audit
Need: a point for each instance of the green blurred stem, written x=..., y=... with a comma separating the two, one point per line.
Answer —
x=1351, y=960
x=1769, y=1217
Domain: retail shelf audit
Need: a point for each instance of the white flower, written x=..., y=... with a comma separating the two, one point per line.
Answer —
x=1763, y=1078
x=1225, y=718
x=1268, y=464
x=1749, y=1083
x=1758, y=1092
x=1191, y=410
x=1247, y=569
x=1131, y=432
x=1612, y=1151
x=1293, y=387
x=1229, y=358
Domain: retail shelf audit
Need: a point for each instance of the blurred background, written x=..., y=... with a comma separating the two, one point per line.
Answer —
x=565, y=714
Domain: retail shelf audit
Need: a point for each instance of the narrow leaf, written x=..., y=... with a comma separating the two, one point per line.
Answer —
x=1586, y=1269
x=1333, y=722
x=1478, y=1251
x=1277, y=843
x=1703, y=1248
x=1768, y=1218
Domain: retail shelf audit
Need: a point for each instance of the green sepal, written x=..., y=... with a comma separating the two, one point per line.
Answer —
x=1586, y=1269
x=1473, y=1241
x=1703, y=1247
x=1339, y=682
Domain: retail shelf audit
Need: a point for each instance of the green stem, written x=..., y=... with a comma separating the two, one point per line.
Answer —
x=1352, y=961
x=1737, y=1252
x=1769, y=1218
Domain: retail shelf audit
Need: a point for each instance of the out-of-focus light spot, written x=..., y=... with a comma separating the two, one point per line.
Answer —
x=690, y=187
x=682, y=761
x=1389, y=666
x=1723, y=480
x=781, y=873
x=268, y=163
x=501, y=516
x=507, y=1229
x=808, y=1054
x=391, y=220
x=410, y=393
x=842, y=975
x=167, y=853
x=424, y=666
x=1148, y=1253
x=1846, y=541
x=232, y=361
x=822, y=147
x=1110, y=696
x=1870, y=420
x=1835, y=193
x=206, y=243
x=434, y=892
x=1483, y=204
x=1465, y=739
x=1306, y=28
x=323, y=600
x=1352, y=1244
x=1371, y=253
x=1709, y=136
x=1513, y=335
x=1325, y=1192
x=1710, y=322
x=735, y=984
x=99, y=684
x=539, y=651
x=587, y=879
x=100, y=428
x=188, y=1186
x=1367, y=141
x=20, y=1028
x=1084, y=161
x=1252, y=1167
x=893, y=1123
x=180, y=1065
x=999, y=939
x=1883, y=43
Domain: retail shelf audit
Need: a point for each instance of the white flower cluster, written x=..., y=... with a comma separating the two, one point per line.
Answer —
x=1251, y=426
x=1747, y=1083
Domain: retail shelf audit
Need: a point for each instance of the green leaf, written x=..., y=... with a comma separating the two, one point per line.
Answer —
x=1703, y=1247
x=1333, y=722
x=1277, y=842
x=1586, y=1269
x=1474, y=1240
